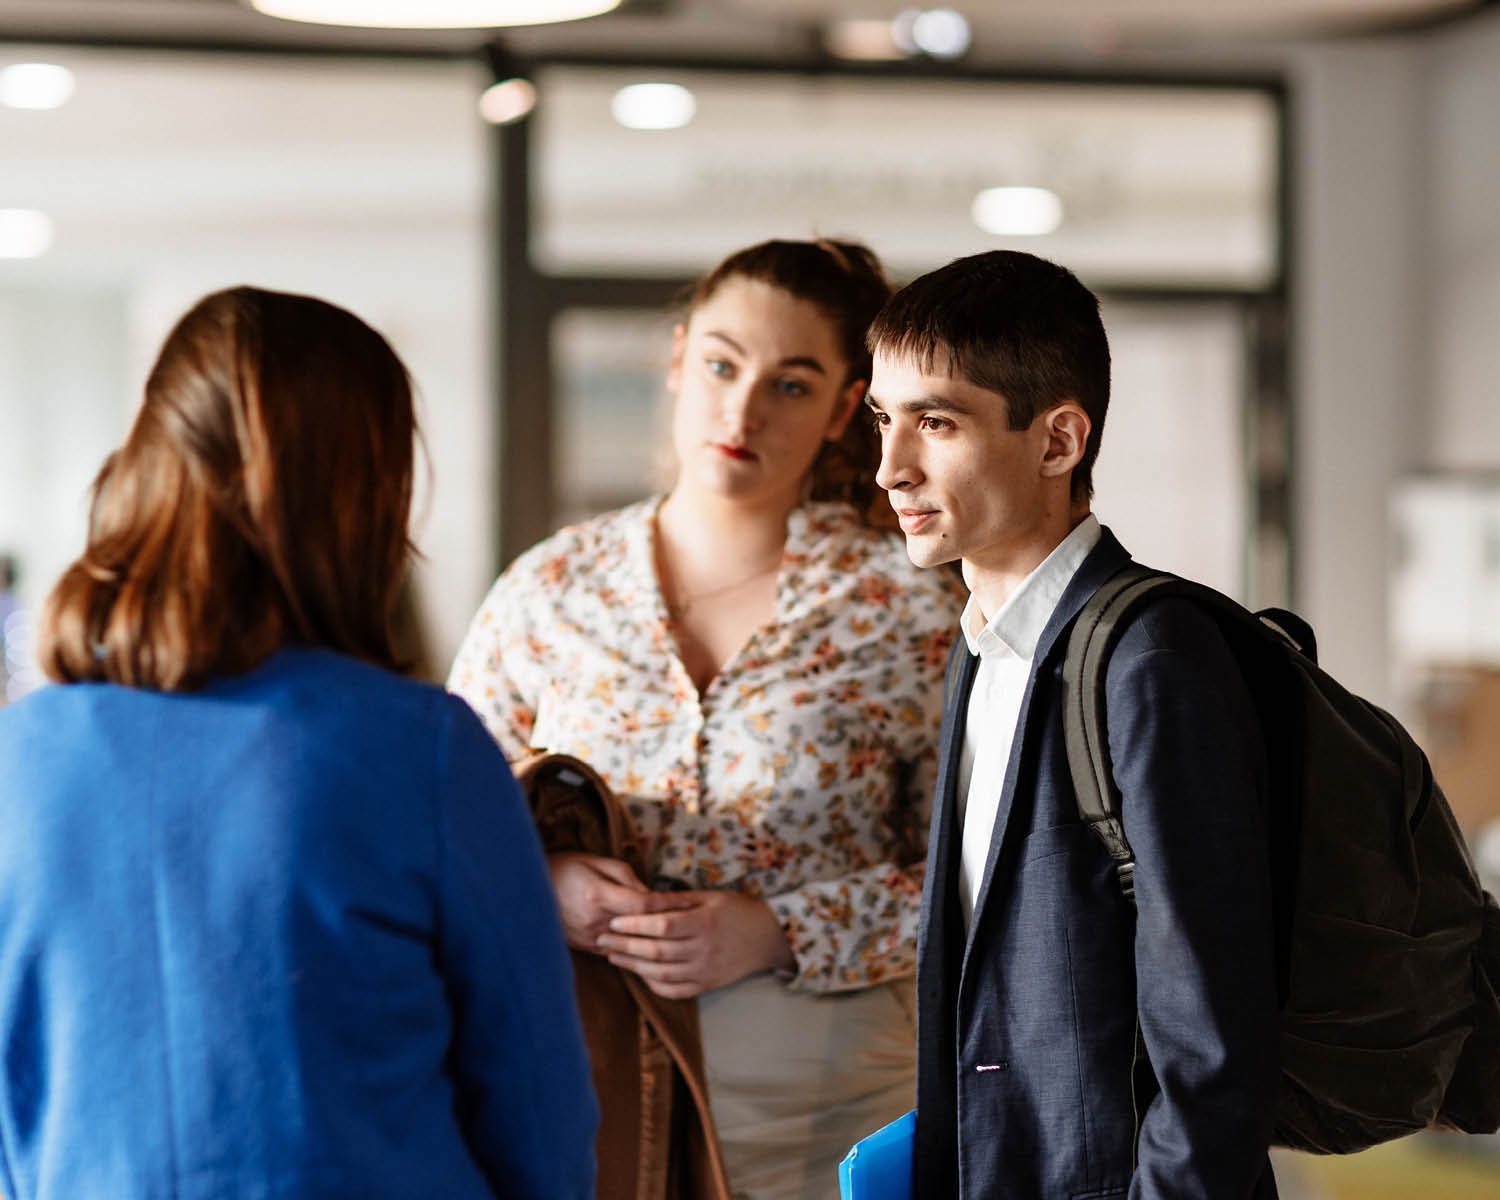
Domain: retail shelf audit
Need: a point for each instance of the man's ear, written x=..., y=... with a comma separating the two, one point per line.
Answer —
x=1067, y=428
x=844, y=408
x=679, y=348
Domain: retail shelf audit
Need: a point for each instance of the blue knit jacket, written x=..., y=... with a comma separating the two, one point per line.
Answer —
x=288, y=936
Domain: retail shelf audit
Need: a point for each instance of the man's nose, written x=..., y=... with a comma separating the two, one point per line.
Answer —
x=898, y=467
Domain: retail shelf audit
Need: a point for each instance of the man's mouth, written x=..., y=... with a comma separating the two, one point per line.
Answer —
x=914, y=520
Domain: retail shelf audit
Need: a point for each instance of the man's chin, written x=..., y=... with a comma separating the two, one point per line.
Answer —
x=926, y=551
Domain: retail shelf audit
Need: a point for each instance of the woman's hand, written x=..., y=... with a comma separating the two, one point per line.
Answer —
x=590, y=890
x=691, y=942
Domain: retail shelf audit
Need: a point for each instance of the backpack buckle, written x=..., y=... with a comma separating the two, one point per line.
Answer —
x=1126, y=872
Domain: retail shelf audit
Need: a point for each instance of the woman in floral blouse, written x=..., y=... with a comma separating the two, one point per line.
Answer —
x=756, y=669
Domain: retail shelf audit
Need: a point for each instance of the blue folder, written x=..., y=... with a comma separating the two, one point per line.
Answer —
x=879, y=1167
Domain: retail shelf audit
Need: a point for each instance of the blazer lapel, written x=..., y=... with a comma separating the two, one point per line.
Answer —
x=940, y=912
x=1103, y=561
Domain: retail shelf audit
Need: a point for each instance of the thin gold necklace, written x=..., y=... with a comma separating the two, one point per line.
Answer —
x=679, y=608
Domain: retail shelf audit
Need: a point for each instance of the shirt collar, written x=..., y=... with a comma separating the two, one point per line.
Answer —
x=1018, y=626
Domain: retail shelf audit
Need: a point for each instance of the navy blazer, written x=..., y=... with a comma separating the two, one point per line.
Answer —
x=1027, y=1020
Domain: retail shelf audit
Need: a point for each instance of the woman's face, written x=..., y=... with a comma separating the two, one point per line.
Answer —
x=759, y=384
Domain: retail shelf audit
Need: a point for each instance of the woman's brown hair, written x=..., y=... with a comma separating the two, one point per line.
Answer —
x=260, y=499
x=845, y=282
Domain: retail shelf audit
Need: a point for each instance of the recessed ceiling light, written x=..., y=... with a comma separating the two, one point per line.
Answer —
x=936, y=32
x=24, y=233
x=653, y=106
x=507, y=101
x=35, y=85
x=433, y=14
x=941, y=32
x=1017, y=211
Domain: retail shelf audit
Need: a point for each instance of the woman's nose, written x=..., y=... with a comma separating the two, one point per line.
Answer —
x=744, y=407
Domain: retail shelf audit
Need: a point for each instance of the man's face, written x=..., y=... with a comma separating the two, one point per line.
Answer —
x=963, y=484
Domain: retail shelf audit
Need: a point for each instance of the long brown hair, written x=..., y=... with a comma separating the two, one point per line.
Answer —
x=845, y=282
x=260, y=499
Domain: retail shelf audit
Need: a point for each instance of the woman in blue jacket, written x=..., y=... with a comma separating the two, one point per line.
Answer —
x=273, y=920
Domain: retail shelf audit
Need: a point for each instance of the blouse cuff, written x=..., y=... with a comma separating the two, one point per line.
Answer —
x=837, y=950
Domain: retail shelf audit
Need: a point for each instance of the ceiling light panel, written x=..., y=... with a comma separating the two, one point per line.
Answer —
x=653, y=106
x=433, y=14
x=1017, y=211
x=24, y=233
x=35, y=85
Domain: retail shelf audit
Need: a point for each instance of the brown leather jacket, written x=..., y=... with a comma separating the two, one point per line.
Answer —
x=656, y=1134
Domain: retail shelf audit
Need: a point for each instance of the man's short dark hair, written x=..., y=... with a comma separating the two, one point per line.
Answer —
x=1011, y=323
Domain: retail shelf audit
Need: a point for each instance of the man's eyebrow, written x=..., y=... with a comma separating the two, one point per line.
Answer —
x=797, y=360
x=928, y=403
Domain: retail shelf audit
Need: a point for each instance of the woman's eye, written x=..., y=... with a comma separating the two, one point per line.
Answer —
x=791, y=387
x=719, y=367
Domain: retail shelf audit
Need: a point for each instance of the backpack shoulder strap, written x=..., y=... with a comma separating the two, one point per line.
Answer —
x=1095, y=631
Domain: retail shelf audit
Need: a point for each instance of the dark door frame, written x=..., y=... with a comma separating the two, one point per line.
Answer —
x=528, y=301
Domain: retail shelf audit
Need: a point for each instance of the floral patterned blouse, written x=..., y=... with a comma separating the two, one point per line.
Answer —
x=803, y=775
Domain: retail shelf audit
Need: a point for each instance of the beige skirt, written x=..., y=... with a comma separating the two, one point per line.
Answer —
x=795, y=1079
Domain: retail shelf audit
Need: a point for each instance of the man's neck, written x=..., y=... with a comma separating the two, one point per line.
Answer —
x=996, y=579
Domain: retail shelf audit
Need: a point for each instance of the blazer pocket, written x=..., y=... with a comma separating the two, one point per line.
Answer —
x=1046, y=843
x=1100, y=1194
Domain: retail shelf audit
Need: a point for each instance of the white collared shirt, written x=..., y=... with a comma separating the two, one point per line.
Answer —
x=1006, y=646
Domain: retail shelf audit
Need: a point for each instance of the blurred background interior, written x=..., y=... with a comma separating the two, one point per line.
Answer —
x=1290, y=207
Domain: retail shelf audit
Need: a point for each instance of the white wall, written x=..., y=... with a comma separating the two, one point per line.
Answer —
x=1463, y=298
x=1397, y=308
x=64, y=405
x=1169, y=480
x=1359, y=124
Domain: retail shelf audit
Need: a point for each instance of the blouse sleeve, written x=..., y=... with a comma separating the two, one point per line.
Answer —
x=522, y=1081
x=484, y=671
x=861, y=928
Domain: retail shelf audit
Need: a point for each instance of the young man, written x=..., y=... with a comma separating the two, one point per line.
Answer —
x=1069, y=1044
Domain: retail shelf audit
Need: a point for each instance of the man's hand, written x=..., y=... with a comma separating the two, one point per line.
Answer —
x=685, y=943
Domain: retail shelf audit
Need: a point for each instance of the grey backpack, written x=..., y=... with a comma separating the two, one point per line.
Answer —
x=1388, y=949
